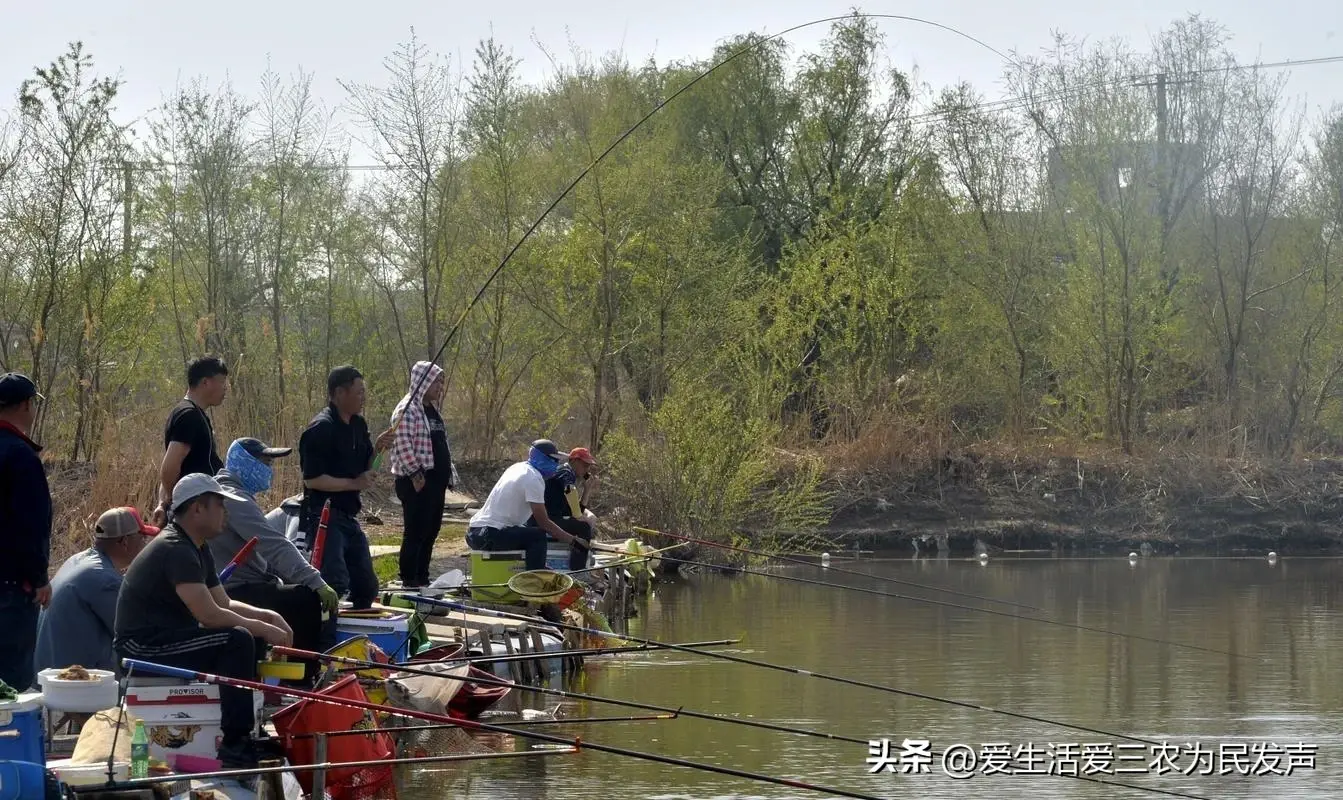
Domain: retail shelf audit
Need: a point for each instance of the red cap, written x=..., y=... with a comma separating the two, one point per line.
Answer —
x=582, y=454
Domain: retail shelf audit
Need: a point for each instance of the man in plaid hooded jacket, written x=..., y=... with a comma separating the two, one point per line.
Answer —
x=422, y=463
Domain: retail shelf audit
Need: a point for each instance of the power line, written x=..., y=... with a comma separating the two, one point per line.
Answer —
x=1005, y=104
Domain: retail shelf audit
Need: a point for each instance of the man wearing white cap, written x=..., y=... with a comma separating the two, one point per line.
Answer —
x=172, y=611
x=78, y=625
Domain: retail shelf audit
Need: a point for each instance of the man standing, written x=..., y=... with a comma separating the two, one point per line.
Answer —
x=172, y=611
x=336, y=455
x=519, y=494
x=25, y=508
x=188, y=436
x=422, y=464
x=258, y=580
x=79, y=624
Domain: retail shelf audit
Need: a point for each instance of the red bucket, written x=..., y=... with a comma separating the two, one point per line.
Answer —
x=308, y=716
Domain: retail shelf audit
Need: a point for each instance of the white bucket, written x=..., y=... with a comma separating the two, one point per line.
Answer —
x=78, y=697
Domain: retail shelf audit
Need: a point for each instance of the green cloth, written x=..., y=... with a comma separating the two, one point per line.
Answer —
x=7, y=693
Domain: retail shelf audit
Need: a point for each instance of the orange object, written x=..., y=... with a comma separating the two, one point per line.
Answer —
x=308, y=716
x=319, y=543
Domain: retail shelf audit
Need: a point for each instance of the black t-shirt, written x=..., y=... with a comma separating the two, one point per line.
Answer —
x=441, y=474
x=148, y=603
x=188, y=424
x=340, y=449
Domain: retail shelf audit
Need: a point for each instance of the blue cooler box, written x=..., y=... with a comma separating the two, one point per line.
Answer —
x=557, y=556
x=22, y=734
x=390, y=632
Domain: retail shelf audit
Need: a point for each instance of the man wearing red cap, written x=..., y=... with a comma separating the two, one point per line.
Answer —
x=566, y=498
x=78, y=625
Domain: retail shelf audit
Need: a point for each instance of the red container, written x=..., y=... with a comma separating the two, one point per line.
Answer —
x=307, y=716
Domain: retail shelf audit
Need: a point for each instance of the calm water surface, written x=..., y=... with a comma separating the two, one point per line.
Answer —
x=1286, y=616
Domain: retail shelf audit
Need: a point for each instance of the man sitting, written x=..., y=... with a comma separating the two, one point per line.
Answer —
x=519, y=494
x=565, y=492
x=78, y=625
x=275, y=576
x=172, y=611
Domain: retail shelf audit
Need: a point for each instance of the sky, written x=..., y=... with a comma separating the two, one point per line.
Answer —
x=155, y=45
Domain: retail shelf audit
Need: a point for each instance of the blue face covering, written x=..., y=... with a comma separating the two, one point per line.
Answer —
x=254, y=476
x=543, y=463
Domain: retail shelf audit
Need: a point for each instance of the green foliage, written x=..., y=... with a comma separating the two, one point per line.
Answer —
x=705, y=464
x=784, y=260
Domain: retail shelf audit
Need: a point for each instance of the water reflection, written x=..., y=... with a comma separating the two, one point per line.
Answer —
x=1281, y=618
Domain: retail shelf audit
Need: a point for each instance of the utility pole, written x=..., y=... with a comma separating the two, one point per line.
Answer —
x=126, y=183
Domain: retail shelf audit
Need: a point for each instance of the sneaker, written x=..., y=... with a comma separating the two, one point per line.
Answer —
x=238, y=754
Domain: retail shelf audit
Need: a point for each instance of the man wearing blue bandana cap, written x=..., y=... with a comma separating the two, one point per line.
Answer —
x=519, y=495
x=276, y=576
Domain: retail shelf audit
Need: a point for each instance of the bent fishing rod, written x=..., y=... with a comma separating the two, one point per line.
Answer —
x=733, y=56
x=1008, y=614
x=668, y=713
x=806, y=673
x=804, y=562
x=576, y=743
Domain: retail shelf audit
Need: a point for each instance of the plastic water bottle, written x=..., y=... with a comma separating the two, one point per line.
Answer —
x=140, y=751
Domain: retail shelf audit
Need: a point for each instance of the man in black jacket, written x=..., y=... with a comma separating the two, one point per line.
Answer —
x=25, y=507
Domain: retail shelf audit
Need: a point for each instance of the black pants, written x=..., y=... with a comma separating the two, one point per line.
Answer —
x=347, y=565
x=18, y=637
x=422, y=515
x=230, y=652
x=578, y=555
x=300, y=607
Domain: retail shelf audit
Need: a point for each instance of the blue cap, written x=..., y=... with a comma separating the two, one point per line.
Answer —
x=15, y=387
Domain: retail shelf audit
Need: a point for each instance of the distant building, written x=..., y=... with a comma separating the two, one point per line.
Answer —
x=1116, y=172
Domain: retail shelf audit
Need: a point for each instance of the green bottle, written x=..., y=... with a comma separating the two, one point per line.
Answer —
x=140, y=751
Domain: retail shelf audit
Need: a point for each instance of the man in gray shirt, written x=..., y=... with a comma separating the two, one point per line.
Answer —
x=275, y=576
x=77, y=627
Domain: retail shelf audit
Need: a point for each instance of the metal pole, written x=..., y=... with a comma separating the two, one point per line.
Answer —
x=319, y=775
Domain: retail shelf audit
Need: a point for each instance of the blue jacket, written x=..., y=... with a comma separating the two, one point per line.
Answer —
x=25, y=506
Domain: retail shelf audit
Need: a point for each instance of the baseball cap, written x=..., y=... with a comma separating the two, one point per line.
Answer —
x=15, y=387
x=196, y=484
x=258, y=448
x=582, y=454
x=548, y=447
x=118, y=522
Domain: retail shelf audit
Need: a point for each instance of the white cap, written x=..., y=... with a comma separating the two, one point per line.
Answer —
x=196, y=484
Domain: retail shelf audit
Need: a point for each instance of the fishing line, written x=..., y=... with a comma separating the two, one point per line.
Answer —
x=806, y=673
x=961, y=606
x=636, y=126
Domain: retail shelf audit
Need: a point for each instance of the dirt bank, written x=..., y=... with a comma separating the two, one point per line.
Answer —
x=1171, y=504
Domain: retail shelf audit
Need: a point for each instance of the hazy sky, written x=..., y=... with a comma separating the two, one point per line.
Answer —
x=154, y=44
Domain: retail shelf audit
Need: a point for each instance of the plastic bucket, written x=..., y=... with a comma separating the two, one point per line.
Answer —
x=22, y=780
x=307, y=716
x=361, y=648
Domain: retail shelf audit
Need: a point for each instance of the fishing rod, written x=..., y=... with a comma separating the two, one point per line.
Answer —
x=804, y=562
x=593, y=651
x=806, y=673
x=701, y=715
x=733, y=56
x=356, y=663
x=1007, y=614
x=509, y=724
x=140, y=783
x=633, y=559
x=238, y=683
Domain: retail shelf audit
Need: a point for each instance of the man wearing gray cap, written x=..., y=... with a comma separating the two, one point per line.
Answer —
x=25, y=508
x=78, y=625
x=172, y=611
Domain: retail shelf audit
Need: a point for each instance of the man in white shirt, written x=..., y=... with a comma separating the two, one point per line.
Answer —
x=520, y=495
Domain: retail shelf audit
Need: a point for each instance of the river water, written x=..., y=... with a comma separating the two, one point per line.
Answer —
x=1279, y=703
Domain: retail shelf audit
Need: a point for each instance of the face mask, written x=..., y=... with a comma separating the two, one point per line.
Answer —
x=254, y=476
x=543, y=463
